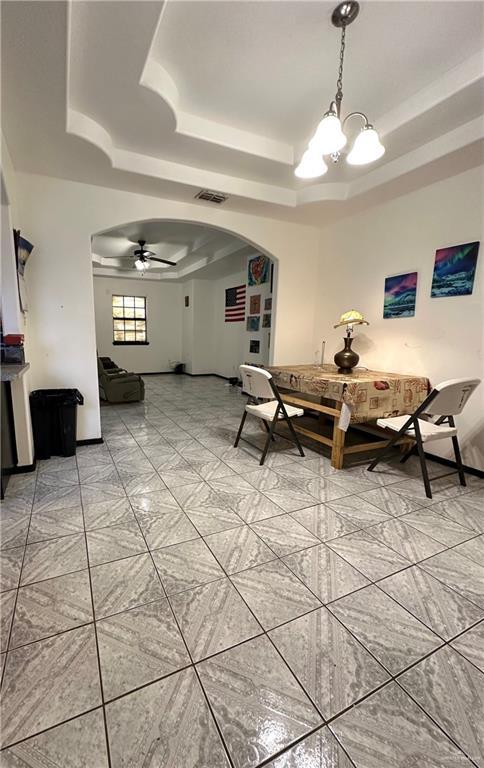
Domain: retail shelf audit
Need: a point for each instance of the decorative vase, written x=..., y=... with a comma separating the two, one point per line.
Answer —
x=347, y=359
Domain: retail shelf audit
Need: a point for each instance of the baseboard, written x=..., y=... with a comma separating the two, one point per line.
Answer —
x=23, y=468
x=156, y=373
x=91, y=441
x=451, y=463
x=198, y=375
x=193, y=375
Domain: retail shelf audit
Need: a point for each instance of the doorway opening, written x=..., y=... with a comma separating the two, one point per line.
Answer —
x=196, y=296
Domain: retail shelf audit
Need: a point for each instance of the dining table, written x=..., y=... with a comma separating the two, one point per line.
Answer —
x=357, y=398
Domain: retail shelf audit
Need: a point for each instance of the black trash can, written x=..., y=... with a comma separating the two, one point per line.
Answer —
x=54, y=421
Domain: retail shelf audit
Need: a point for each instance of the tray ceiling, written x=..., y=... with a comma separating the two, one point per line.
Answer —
x=167, y=98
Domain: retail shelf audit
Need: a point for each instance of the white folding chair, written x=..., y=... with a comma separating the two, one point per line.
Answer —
x=443, y=403
x=258, y=384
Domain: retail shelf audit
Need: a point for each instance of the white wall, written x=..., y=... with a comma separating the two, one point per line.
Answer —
x=60, y=216
x=164, y=323
x=445, y=338
x=229, y=338
x=210, y=345
x=13, y=319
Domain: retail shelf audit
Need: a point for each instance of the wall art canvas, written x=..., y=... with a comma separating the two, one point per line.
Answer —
x=454, y=270
x=268, y=304
x=254, y=304
x=253, y=323
x=254, y=346
x=259, y=270
x=400, y=295
x=266, y=321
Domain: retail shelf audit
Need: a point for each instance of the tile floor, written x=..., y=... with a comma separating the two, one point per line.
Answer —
x=167, y=603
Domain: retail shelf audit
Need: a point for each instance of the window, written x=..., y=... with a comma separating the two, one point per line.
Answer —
x=129, y=320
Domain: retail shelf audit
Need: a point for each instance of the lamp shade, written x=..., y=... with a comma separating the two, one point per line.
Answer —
x=329, y=136
x=311, y=166
x=367, y=147
x=353, y=317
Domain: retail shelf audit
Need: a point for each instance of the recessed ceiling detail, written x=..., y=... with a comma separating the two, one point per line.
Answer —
x=225, y=96
x=188, y=250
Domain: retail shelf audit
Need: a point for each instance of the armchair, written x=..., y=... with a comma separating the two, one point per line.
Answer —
x=119, y=386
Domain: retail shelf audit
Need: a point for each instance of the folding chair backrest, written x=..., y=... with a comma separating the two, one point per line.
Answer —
x=256, y=382
x=451, y=397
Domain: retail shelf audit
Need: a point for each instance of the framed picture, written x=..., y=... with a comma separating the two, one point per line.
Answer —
x=268, y=304
x=254, y=304
x=258, y=270
x=187, y=301
x=253, y=323
x=454, y=270
x=254, y=346
x=400, y=296
x=266, y=321
x=23, y=249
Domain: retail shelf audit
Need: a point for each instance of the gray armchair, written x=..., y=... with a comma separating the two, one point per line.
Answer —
x=119, y=386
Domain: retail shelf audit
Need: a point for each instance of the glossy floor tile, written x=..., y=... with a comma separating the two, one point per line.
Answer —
x=459, y=573
x=325, y=573
x=139, y=646
x=51, y=606
x=259, y=707
x=324, y=523
x=124, y=584
x=47, y=682
x=389, y=729
x=374, y=559
x=451, y=690
x=165, y=602
x=54, y=557
x=471, y=645
x=442, y=609
x=274, y=593
x=320, y=750
x=395, y=637
x=406, y=540
x=334, y=669
x=186, y=565
x=213, y=618
x=177, y=727
x=76, y=744
x=439, y=527
x=239, y=548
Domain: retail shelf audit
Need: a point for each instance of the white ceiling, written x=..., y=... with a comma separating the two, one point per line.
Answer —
x=199, y=251
x=167, y=98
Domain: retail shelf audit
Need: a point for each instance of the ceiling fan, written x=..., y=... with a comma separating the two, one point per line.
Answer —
x=144, y=257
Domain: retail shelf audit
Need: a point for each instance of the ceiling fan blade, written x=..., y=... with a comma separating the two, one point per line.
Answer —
x=163, y=261
x=143, y=252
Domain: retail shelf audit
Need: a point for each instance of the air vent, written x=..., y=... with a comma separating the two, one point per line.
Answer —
x=211, y=197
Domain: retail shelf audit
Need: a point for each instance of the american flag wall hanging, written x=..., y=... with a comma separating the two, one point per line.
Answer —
x=235, y=304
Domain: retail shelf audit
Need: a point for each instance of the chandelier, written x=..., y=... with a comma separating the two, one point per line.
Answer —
x=329, y=137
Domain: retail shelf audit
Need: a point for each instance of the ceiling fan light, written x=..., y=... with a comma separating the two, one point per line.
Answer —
x=311, y=166
x=367, y=147
x=140, y=265
x=329, y=136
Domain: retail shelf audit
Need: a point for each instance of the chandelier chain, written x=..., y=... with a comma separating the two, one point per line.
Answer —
x=339, y=82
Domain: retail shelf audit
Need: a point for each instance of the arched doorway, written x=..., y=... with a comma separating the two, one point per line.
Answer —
x=209, y=297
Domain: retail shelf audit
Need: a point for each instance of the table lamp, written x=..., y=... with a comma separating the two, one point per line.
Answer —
x=347, y=359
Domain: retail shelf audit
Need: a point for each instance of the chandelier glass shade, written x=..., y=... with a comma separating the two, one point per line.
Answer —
x=366, y=148
x=329, y=137
x=142, y=264
x=311, y=166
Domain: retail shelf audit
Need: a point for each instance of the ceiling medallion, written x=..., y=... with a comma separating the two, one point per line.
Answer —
x=329, y=137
